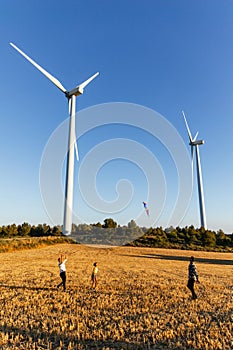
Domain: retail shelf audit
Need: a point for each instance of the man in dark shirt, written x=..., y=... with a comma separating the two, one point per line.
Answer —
x=192, y=277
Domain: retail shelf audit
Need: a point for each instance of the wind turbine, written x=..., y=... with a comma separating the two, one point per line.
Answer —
x=194, y=143
x=72, y=145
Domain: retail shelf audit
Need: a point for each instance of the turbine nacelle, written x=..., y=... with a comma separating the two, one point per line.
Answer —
x=197, y=143
x=76, y=92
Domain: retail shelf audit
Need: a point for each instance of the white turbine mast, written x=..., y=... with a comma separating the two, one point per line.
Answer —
x=194, y=143
x=72, y=143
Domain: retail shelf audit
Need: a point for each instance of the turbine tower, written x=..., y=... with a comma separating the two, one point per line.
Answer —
x=194, y=143
x=72, y=144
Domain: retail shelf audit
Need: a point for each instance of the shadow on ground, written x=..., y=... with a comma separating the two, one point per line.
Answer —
x=26, y=287
x=56, y=339
x=182, y=258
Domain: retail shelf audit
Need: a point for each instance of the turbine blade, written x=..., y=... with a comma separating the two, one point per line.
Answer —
x=187, y=127
x=42, y=70
x=192, y=158
x=79, y=89
x=86, y=82
x=192, y=154
x=195, y=137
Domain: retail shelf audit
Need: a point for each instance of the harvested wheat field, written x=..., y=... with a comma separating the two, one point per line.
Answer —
x=142, y=301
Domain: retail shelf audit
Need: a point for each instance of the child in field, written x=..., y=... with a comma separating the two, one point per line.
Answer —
x=61, y=264
x=94, y=276
x=192, y=277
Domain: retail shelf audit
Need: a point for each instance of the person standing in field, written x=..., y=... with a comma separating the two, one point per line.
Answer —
x=94, y=276
x=61, y=264
x=192, y=277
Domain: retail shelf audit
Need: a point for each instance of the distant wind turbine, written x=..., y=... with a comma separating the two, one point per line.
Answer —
x=196, y=143
x=72, y=144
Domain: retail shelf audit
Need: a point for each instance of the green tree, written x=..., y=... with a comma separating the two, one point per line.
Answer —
x=172, y=236
x=40, y=230
x=56, y=231
x=231, y=239
x=9, y=231
x=209, y=239
x=24, y=229
x=132, y=224
x=97, y=225
x=109, y=223
x=221, y=238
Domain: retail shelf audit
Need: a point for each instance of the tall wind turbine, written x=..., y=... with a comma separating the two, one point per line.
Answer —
x=194, y=143
x=72, y=145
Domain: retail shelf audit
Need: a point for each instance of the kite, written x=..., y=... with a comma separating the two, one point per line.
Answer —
x=146, y=208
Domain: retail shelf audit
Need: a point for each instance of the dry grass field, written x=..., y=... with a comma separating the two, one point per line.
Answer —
x=142, y=301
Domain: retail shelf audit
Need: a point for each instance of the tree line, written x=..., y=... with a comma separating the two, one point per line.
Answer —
x=188, y=237
x=111, y=233
x=27, y=230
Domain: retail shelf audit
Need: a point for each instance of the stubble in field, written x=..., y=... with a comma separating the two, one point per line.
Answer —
x=141, y=302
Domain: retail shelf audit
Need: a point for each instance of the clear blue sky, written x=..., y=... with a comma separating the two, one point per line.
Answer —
x=165, y=55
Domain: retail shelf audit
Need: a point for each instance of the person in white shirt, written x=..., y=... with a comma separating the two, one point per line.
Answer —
x=61, y=264
x=94, y=276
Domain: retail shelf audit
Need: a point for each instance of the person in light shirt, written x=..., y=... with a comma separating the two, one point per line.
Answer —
x=94, y=276
x=61, y=264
